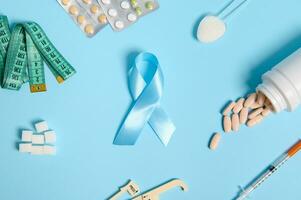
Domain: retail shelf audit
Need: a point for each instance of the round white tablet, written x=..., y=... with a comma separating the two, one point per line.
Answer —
x=210, y=29
x=112, y=12
x=132, y=17
x=119, y=24
x=125, y=4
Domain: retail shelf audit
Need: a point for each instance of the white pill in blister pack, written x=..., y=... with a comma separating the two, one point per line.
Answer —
x=87, y=14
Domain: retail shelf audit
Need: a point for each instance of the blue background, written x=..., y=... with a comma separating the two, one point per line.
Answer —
x=86, y=110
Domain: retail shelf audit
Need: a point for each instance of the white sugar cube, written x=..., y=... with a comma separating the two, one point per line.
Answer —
x=50, y=137
x=25, y=147
x=38, y=139
x=37, y=150
x=41, y=126
x=49, y=150
x=26, y=136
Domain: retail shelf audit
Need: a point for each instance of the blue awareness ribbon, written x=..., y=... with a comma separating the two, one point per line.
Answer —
x=146, y=86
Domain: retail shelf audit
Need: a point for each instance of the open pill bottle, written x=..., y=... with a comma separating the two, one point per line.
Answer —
x=282, y=84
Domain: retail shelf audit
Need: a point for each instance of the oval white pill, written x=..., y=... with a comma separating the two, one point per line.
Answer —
x=106, y=1
x=132, y=17
x=210, y=29
x=235, y=122
x=125, y=4
x=119, y=24
x=239, y=105
x=250, y=100
x=227, y=124
x=243, y=115
x=112, y=12
x=215, y=140
x=229, y=108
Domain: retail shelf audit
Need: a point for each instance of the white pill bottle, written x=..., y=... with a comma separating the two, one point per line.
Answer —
x=282, y=84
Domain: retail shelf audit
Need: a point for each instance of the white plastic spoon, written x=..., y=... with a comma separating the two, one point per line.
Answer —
x=211, y=27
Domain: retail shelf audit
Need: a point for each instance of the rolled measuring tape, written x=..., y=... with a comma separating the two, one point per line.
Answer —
x=23, y=53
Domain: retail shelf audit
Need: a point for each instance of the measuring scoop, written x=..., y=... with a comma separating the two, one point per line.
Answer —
x=213, y=27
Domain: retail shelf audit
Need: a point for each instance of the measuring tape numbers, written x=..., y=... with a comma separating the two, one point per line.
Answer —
x=23, y=52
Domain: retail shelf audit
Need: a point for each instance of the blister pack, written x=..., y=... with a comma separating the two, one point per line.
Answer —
x=87, y=14
x=123, y=13
x=143, y=7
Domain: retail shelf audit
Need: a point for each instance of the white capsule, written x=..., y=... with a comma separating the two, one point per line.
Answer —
x=227, y=124
x=215, y=140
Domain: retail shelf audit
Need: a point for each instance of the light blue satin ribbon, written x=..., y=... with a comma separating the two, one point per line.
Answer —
x=146, y=87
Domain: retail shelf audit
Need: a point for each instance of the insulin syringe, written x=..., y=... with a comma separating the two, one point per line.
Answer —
x=270, y=170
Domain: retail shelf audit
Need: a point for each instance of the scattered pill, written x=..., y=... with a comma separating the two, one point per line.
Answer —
x=81, y=19
x=119, y=24
x=125, y=5
x=94, y=9
x=255, y=113
x=215, y=140
x=89, y=29
x=26, y=136
x=227, y=124
x=254, y=121
x=132, y=17
x=260, y=99
x=102, y=19
x=229, y=108
x=65, y=2
x=266, y=112
x=50, y=137
x=239, y=105
x=41, y=126
x=255, y=105
x=87, y=1
x=250, y=100
x=25, y=147
x=243, y=115
x=73, y=10
x=235, y=122
x=106, y=1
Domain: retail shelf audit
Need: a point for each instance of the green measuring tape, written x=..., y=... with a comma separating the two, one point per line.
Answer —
x=23, y=53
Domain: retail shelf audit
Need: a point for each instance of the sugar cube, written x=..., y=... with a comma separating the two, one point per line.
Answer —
x=26, y=136
x=50, y=137
x=25, y=147
x=49, y=150
x=37, y=150
x=41, y=126
x=38, y=139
